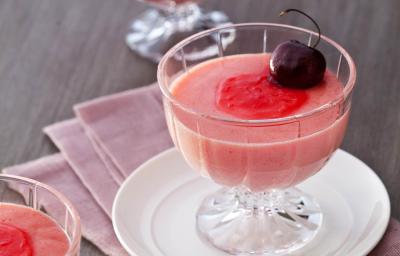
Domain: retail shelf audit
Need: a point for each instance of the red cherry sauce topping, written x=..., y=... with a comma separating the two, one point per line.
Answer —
x=14, y=241
x=254, y=96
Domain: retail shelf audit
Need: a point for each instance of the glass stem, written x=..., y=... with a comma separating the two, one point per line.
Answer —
x=183, y=16
x=267, y=201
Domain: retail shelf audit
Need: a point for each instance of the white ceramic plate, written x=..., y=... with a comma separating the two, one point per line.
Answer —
x=154, y=210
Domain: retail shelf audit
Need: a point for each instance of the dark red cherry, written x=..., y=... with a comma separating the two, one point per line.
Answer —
x=296, y=65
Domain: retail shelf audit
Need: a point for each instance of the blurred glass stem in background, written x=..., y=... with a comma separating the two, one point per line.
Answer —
x=168, y=22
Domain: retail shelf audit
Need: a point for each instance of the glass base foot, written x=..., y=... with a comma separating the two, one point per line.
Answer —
x=240, y=222
x=156, y=30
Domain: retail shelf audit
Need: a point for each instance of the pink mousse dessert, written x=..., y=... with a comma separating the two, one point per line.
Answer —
x=257, y=155
x=27, y=232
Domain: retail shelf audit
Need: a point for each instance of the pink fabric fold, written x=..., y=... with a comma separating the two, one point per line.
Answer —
x=390, y=243
x=110, y=137
x=77, y=149
x=129, y=126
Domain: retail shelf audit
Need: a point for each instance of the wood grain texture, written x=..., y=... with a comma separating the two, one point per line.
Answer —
x=55, y=53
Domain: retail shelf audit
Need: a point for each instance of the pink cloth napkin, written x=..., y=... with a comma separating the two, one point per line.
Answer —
x=108, y=139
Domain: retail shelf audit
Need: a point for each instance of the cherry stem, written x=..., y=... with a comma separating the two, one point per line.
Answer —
x=308, y=16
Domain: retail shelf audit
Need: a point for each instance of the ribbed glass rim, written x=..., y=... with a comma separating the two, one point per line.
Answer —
x=76, y=232
x=175, y=49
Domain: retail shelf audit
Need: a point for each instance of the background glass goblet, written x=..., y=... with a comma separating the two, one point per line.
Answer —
x=258, y=210
x=167, y=23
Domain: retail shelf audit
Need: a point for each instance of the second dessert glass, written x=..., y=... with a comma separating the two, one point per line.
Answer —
x=47, y=200
x=258, y=210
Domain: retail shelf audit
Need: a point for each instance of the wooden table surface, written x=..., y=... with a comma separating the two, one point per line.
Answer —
x=55, y=53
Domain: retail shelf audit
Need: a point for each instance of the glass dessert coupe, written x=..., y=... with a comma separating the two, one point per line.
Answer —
x=170, y=21
x=256, y=161
x=55, y=223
